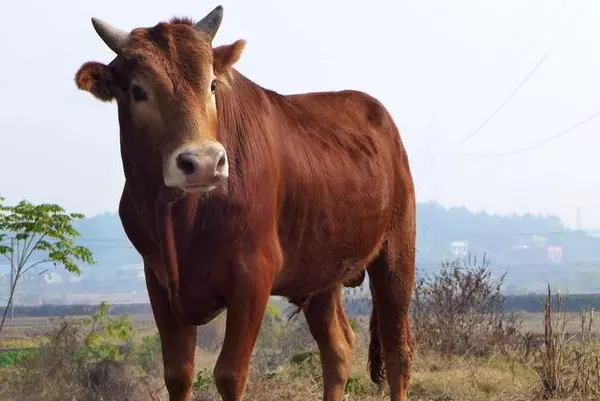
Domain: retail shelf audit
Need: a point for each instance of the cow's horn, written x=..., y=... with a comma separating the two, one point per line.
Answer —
x=210, y=24
x=113, y=37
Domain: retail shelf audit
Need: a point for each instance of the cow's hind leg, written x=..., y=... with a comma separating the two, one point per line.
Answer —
x=331, y=330
x=391, y=277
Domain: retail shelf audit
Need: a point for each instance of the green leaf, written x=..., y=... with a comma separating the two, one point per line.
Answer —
x=33, y=235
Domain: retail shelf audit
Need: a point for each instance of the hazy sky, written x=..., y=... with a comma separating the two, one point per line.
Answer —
x=441, y=68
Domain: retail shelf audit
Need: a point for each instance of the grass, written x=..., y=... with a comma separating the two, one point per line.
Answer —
x=473, y=379
x=434, y=378
x=549, y=356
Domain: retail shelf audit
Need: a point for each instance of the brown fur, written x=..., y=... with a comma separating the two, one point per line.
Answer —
x=95, y=78
x=319, y=192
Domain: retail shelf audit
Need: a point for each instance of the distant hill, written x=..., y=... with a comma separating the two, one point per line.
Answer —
x=437, y=227
x=516, y=244
x=513, y=240
x=105, y=236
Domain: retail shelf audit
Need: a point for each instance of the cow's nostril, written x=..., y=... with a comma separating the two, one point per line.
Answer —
x=221, y=162
x=186, y=164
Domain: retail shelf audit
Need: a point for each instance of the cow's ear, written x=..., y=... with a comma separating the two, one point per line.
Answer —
x=226, y=56
x=97, y=79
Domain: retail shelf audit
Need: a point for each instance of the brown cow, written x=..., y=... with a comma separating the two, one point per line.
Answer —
x=234, y=193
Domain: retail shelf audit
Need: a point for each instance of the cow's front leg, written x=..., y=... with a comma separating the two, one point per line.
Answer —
x=246, y=303
x=178, y=341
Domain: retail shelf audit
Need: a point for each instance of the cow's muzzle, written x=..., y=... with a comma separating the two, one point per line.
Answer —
x=200, y=169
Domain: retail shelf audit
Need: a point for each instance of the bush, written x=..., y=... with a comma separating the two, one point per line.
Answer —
x=460, y=310
x=280, y=340
x=271, y=329
x=106, y=335
x=357, y=386
x=204, y=380
x=84, y=359
x=148, y=354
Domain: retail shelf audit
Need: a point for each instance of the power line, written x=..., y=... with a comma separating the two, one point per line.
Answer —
x=527, y=77
x=519, y=24
x=510, y=96
x=538, y=34
x=538, y=143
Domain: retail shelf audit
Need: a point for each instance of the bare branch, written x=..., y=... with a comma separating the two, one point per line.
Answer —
x=25, y=270
x=31, y=251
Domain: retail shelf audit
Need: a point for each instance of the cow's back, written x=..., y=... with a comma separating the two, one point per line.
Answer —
x=340, y=159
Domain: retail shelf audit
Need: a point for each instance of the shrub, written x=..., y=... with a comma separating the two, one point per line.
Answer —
x=204, y=380
x=279, y=339
x=147, y=355
x=357, y=386
x=83, y=359
x=271, y=329
x=460, y=310
x=106, y=336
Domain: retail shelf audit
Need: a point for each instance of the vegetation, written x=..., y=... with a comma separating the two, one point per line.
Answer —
x=35, y=235
x=466, y=349
x=460, y=310
x=568, y=364
x=96, y=358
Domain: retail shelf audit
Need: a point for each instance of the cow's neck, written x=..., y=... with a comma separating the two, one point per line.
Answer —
x=175, y=220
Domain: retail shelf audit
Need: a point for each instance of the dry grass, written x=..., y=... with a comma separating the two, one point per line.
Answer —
x=494, y=378
x=558, y=360
x=435, y=378
x=569, y=363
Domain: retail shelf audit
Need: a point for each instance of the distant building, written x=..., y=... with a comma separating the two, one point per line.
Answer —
x=528, y=249
x=459, y=248
x=52, y=278
x=555, y=254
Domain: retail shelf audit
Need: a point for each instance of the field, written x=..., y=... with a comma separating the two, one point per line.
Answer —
x=471, y=353
x=294, y=374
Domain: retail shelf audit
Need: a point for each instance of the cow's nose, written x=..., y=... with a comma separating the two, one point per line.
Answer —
x=188, y=163
x=205, y=166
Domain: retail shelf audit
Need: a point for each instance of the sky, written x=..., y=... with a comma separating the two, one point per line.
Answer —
x=441, y=68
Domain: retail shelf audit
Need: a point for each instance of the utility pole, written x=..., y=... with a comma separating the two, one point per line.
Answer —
x=579, y=220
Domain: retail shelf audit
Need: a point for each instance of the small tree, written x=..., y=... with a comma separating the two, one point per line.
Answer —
x=34, y=235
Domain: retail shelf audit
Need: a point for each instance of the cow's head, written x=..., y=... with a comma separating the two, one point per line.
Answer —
x=164, y=80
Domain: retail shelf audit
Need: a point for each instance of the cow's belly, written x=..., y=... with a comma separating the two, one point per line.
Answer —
x=330, y=244
x=305, y=277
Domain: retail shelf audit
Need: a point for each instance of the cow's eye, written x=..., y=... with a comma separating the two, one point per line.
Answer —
x=213, y=86
x=138, y=93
